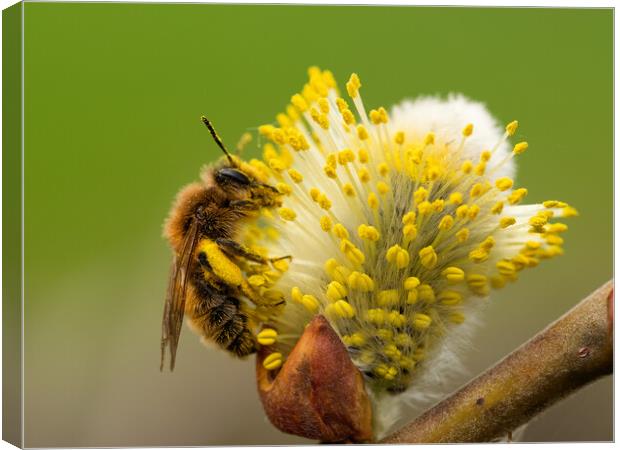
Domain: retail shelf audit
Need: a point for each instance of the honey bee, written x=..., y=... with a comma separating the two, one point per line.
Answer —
x=207, y=281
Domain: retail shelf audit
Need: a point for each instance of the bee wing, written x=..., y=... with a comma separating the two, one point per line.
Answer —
x=174, y=308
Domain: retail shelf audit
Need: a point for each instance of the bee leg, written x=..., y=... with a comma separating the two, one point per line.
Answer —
x=237, y=249
x=247, y=205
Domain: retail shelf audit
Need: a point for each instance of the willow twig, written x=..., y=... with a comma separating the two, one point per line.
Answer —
x=570, y=353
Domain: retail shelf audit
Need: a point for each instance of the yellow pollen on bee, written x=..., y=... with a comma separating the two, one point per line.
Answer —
x=504, y=183
x=453, y=274
x=287, y=214
x=383, y=188
x=398, y=256
x=511, y=128
x=468, y=130
x=446, y=223
x=520, y=148
x=360, y=281
x=340, y=231
x=428, y=257
x=421, y=321
x=505, y=222
x=353, y=85
x=336, y=291
x=362, y=133
x=273, y=361
x=268, y=336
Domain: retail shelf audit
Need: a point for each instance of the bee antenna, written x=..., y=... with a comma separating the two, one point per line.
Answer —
x=217, y=139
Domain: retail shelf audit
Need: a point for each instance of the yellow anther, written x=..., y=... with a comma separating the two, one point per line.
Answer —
x=409, y=218
x=266, y=130
x=453, y=274
x=353, y=85
x=426, y=293
x=456, y=198
x=354, y=340
x=488, y=243
x=504, y=183
x=375, y=116
x=420, y=195
x=341, y=104
x=428, y=257
x=412, y=296
x=468, y=130
x=348, y=117
x=362, y=154
x=497, y=208
x=569, y=211
x=336, y=291
x=553, y=239
x=383, y=188
x=256, y=280
x=273, y=361
x=477, y=281
x=269, y=152
x=368, y=232
x=324, y=202
x=421, y=321
x=456, y=318
x=462, y=235
x=323, y=105
x=384, y=169
x=315, y=194
x=476, y=190
x=328, y=79
x=551, y=204
x=364, y=175
x=281, y=265
x=517, y=195
x=429, y=139
x=267, y=336
x=506, y=268
x=326, y=223
x=398, y=256
x=376, y=316
x=399, y=137
x=505, y=222
x=450, y=298
x=479, y=255
x=520, y=148
x=498, y=282
x=480, y=168
x=467, y=166
x=341, y=309
x=361, y=282
x=284, y=188
x=346, y=156
x=348, y=190
x=438, y=205
x=461, y=211
x=284, y=121
x=425, y=208
x=511, y=128
x=383, y=114
x=276, y=164
x=310, y=303
x=538, y=221
x=287, y=214
x=332, y=160
x=353, y=254
x=411, y=283
x=362, y=132
x=446, y=223
x=557, y=228
x=410, y=232
x=299, y=102
x=485, y=156
x=296, y=294
x=295, y=176
x=330, y=172
x=373, y=200
x=292, y=113
x=340, y=231
x=388, y=297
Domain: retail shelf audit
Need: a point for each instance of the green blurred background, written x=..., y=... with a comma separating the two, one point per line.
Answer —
x=114, y=93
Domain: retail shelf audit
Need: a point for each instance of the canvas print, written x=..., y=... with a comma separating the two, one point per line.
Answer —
x=300, y=224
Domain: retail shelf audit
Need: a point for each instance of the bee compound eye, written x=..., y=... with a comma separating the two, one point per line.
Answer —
x=230, y=175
